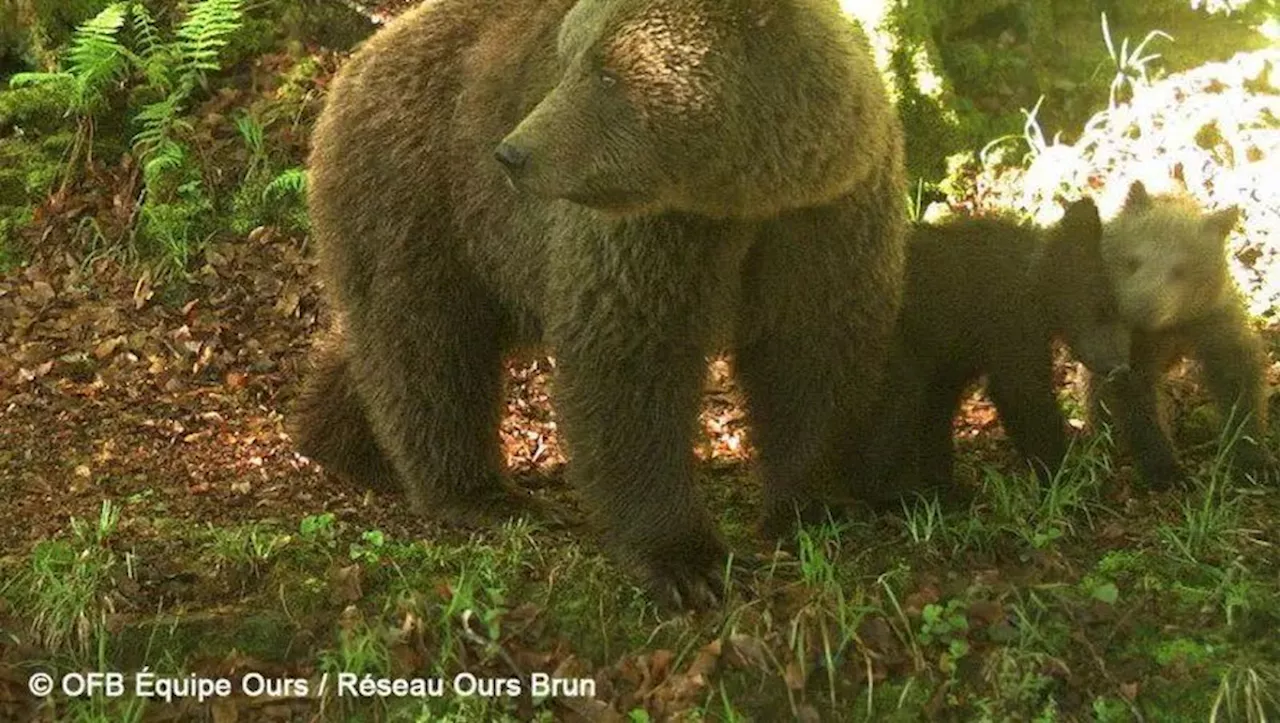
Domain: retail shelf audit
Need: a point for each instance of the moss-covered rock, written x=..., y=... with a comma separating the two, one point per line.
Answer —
x=31, y=31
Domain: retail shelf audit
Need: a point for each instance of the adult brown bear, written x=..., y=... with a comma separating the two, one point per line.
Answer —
x=634, y=184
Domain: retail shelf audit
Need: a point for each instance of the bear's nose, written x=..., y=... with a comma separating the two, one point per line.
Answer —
x=513, y=158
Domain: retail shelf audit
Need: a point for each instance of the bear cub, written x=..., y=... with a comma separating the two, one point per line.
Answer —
x=988, y=296
x=1167, y=261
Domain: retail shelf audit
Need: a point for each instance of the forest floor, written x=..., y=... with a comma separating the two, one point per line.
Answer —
x=158, y=518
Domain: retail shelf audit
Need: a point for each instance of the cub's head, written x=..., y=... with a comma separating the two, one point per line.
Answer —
x=726, y=108
x=1167, y=258
x=1074, y=280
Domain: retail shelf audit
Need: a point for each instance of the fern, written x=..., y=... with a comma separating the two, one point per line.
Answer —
x=202, y=36
x=158, y=121
x=167, y=156
x=153, y=56
x=174, y=204
x=96, y=58
x=196, y=45
x=290, y=182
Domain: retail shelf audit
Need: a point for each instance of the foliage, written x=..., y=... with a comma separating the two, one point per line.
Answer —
x=264, y=196
x=122, y=45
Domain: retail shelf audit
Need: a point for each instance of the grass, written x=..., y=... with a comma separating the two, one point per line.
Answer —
x=1008, y=608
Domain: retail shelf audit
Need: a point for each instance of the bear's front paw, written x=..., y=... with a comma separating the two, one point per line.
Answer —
x=685, y=572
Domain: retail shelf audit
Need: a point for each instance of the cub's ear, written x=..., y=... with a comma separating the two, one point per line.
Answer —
x=1138, y=199
x=1218, y=225
x=1081, y=220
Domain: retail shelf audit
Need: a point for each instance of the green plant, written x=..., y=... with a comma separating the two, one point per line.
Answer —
x=250, y=547
x=93, y=61
x=120, y=43
x=292, y=181
x=66, y=590
x=318, y=528
x=1208, y=520
x=369, y=549
x=923, y=518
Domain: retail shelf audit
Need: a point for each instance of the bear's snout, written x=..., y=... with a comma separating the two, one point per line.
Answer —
x=513, y=158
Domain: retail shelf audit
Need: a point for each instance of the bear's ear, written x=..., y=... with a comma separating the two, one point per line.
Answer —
x=1081, y=220
x=1218, y=225
x=1137, y=200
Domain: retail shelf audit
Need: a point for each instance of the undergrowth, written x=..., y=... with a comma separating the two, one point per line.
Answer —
x=123, y=70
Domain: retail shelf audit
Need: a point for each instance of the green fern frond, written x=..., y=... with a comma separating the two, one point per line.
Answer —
x=292, y=181
x=203, y=34
x=145, y=30
x=154, y=57
x=156, y=121
x=167, y=156
x=94, y=59
x=96, y=56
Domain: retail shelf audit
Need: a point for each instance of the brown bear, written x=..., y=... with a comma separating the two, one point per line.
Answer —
x=989, y=296
x=633, y=184
x=1167, y=261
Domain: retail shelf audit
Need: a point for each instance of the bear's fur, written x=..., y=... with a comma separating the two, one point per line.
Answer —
x=634, y=184
x=988, y=296
x=1167, y=262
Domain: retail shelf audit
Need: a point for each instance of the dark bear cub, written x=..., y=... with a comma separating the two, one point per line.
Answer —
x=632, y=185
x=988, y=296
x=1167, y=260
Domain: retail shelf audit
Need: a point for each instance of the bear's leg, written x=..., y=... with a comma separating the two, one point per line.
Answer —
x=791, y=414
x=934, y=434
x=1136, y=410
x=891, y=451
x=814, y=338
x=1021, y=385
x=1234, y=362
x=426, y=359
x=329, y=424
x=625, y=303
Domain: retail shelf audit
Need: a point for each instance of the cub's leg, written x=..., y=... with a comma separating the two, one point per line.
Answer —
x=1234, y=364
x=1021, y=385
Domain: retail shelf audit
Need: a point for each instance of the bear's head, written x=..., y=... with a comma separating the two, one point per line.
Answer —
x=724, y=108
x=1075, y=284
x=1167, y=258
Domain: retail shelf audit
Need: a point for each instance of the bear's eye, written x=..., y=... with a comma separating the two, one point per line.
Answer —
x=1178, y=273
x=608, y=78
x=1132, y=264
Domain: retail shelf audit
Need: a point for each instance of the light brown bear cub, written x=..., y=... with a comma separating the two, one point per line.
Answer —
x=634, y=184
x=1167, y=263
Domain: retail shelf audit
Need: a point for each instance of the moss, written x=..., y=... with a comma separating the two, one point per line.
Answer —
x=29, y=168
x=32, y=31
x=35, y=107
x=12, y=219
